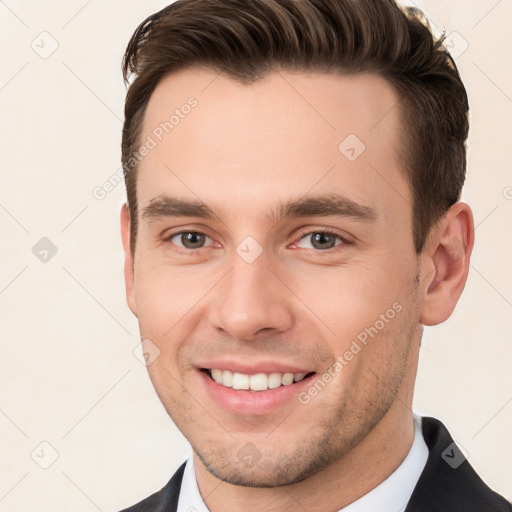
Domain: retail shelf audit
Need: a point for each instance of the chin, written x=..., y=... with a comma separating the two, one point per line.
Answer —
x=291, y=468
x=250, y=478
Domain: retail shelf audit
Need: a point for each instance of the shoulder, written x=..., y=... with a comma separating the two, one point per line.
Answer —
x=448, y=481
x=165, y=500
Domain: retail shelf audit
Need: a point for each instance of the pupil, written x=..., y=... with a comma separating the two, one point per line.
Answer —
x=192, y=240
x=319, y=239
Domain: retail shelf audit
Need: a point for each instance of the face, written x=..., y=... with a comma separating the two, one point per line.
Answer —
x=275, y=251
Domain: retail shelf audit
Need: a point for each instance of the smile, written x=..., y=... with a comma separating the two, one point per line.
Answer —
x=255, y=382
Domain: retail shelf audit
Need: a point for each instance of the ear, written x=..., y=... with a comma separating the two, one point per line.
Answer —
x=129, y=269
x=448, y=252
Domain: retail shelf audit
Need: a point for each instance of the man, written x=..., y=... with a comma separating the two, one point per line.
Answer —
x=293, y=170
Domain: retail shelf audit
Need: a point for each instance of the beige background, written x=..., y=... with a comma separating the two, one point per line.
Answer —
x=68, y=373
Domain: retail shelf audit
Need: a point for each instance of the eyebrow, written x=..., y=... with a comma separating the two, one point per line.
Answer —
x=325, y=205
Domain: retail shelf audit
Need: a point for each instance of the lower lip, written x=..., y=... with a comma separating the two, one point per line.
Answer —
x=246, y=402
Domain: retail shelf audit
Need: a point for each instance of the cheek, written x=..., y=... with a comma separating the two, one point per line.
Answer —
x=172, y=307
x=346, y=300
x=166, y=295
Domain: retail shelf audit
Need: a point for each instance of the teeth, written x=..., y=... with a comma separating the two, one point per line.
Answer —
x=274, y=380
x=240, y=381
x=256, y=382
x=227, y=378
x=217, y=375
x=287, y=379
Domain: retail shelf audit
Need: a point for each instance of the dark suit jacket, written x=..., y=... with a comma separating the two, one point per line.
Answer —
x=447, y=483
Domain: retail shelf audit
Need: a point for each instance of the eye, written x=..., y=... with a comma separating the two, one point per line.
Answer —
x=189, y=240
x=322, y=240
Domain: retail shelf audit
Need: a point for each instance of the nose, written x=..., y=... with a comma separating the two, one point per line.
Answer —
x=251, y=299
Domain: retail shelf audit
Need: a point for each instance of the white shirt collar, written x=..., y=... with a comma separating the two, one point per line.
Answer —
x=392, y=495
x=190, y=498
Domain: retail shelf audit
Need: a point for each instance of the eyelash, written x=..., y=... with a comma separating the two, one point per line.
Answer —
x=301, y=235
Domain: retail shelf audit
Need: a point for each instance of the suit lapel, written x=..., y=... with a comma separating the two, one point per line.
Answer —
x=166, y=499
x=448, y=482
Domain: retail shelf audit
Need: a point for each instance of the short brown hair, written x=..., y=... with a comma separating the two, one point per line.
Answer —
x=247, y=39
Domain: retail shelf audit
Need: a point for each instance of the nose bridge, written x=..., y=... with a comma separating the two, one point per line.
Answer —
x=250, y=298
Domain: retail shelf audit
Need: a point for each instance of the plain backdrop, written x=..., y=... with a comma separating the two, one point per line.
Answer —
x=74, y=398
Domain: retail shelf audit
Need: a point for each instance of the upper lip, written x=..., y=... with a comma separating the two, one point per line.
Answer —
x=254, y=368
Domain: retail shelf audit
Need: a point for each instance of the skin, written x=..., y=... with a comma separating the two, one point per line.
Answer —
x=243, y=150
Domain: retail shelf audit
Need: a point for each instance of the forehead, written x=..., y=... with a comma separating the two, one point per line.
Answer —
x=281, y=137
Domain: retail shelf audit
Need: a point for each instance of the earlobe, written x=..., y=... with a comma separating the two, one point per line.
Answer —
x=449, y=251
x=129, y=270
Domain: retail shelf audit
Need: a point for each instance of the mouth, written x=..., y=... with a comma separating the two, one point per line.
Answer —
x=256, y=382
x=254, y=390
